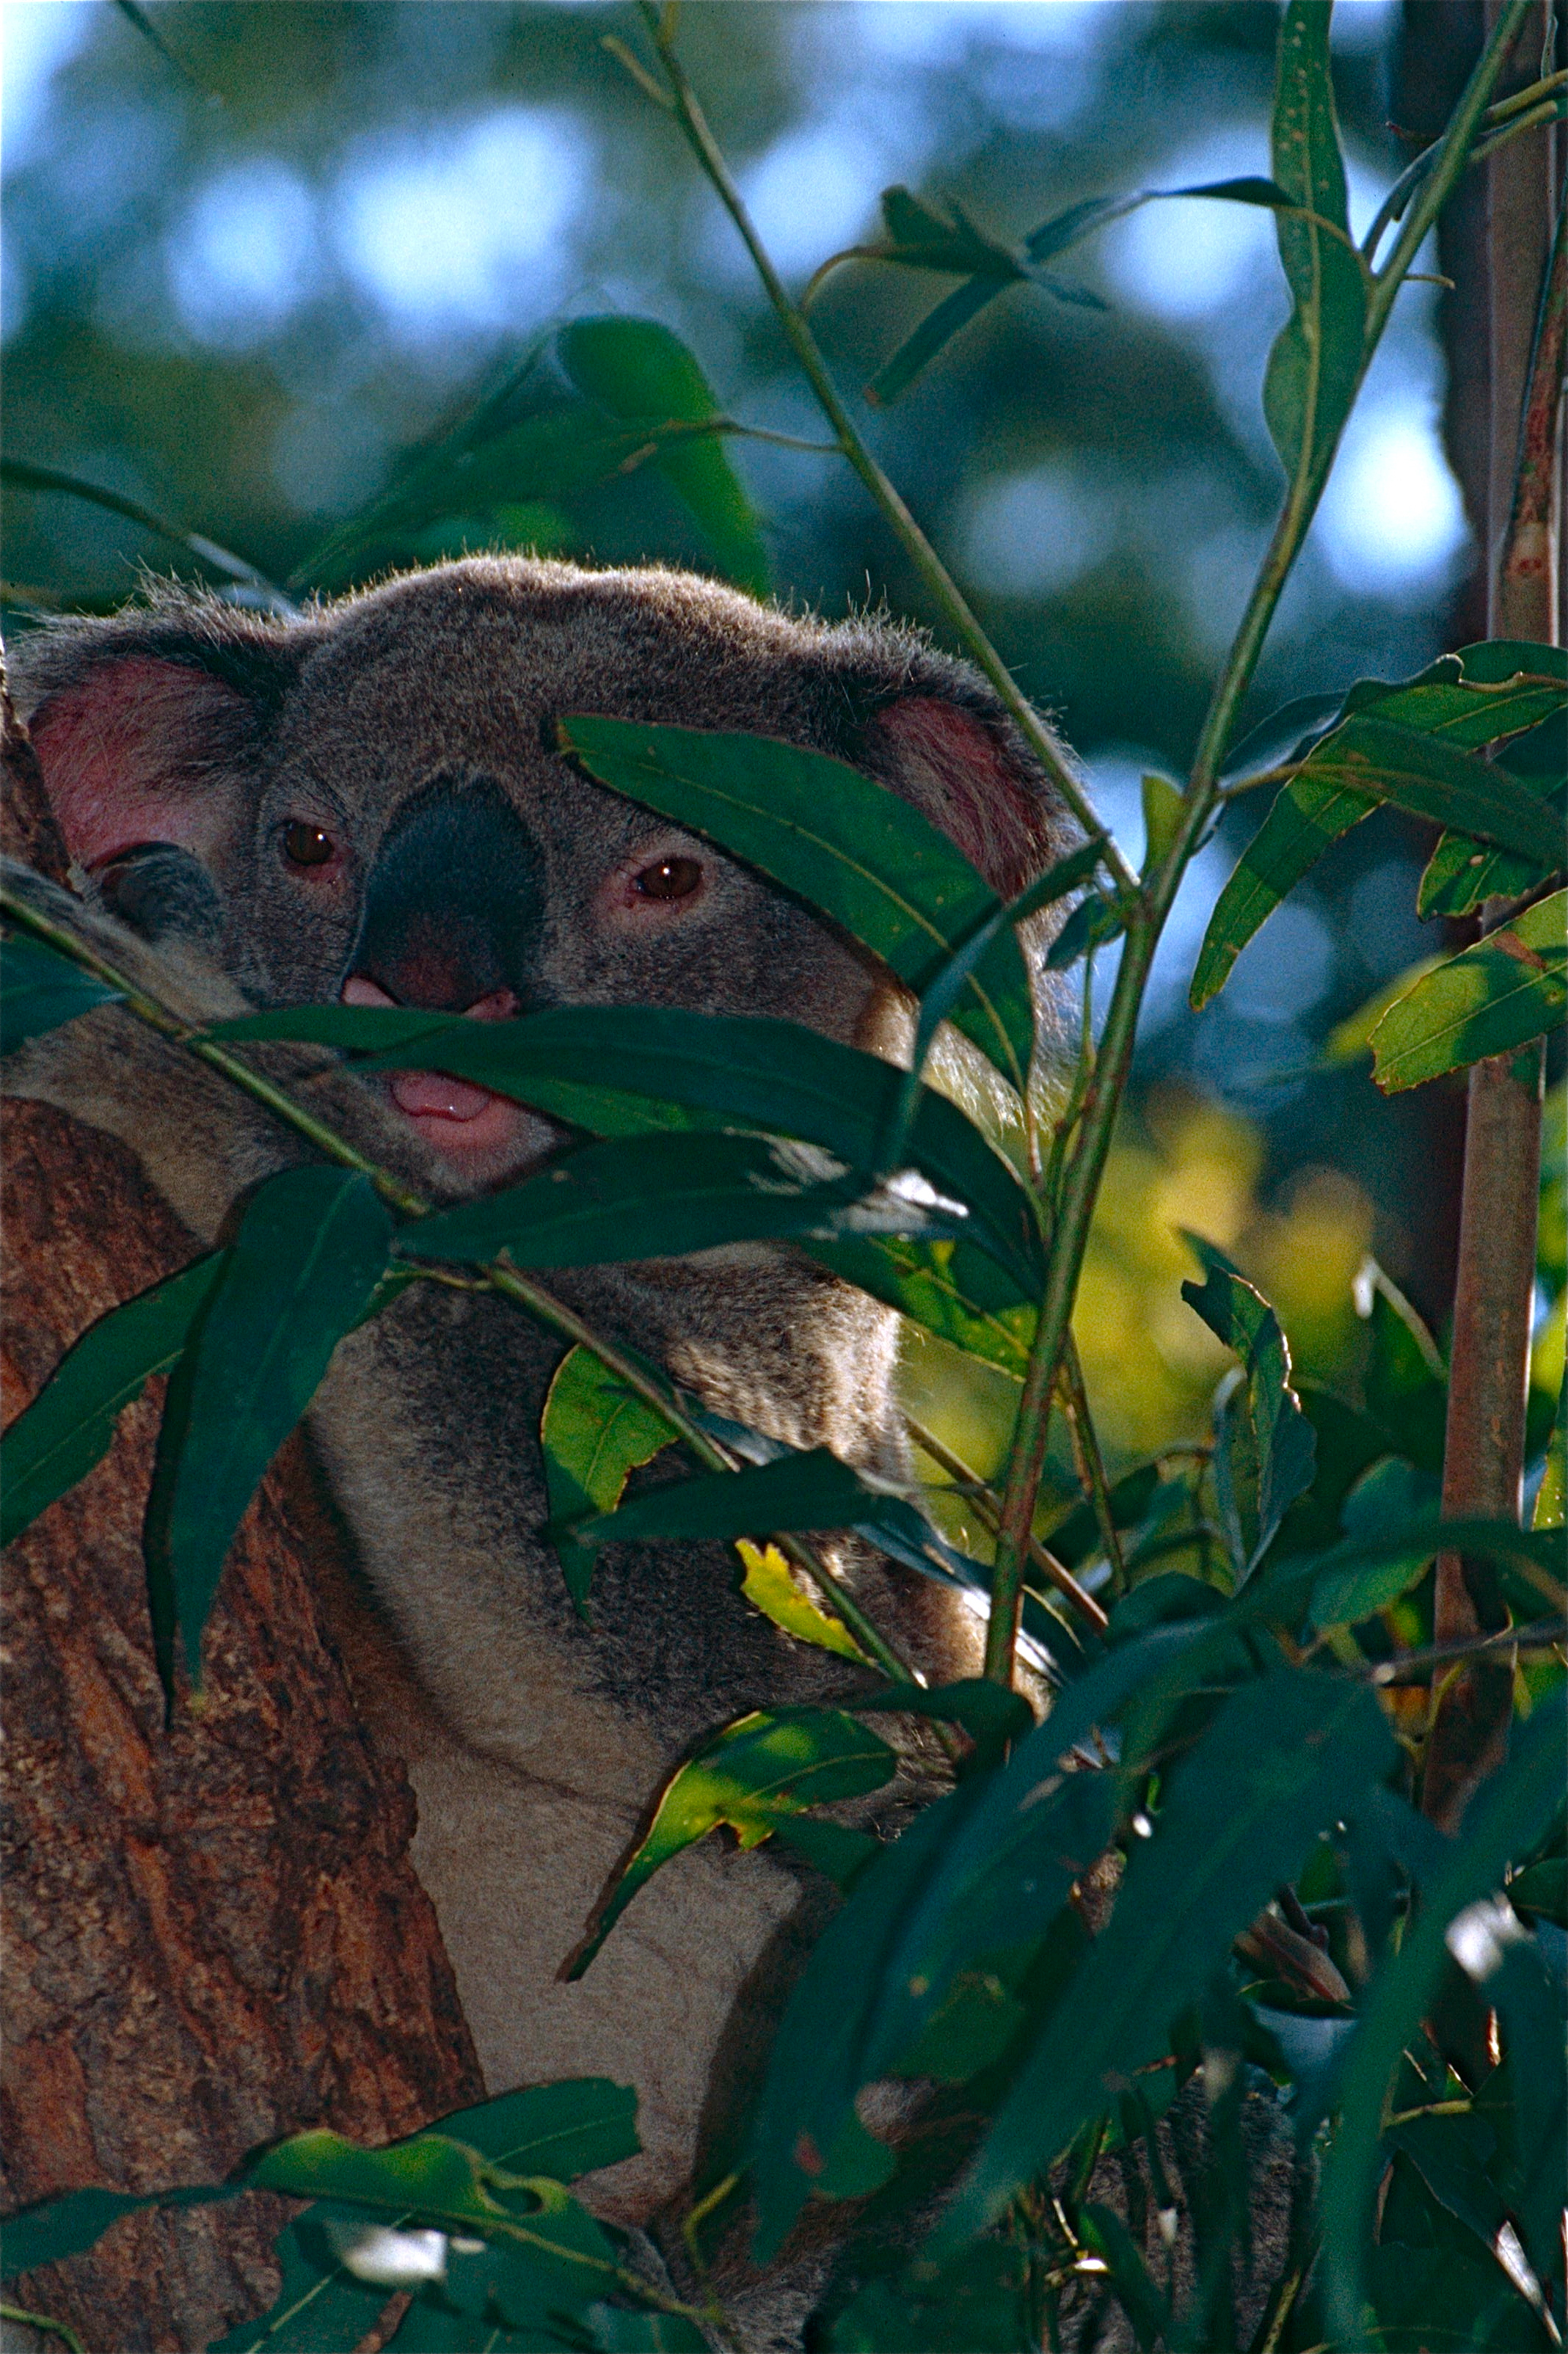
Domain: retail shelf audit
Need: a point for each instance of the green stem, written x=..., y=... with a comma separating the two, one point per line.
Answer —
x=933, y=572
x=60, y=2330
x=498, y=1277
x=1087, y=1156
x=1088, y=1461
x=988, y=1510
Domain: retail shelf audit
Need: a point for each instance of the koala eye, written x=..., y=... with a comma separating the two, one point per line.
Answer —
x=307, y=845
x=669, y=879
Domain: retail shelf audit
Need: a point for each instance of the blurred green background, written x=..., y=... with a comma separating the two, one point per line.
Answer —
x=240, y=278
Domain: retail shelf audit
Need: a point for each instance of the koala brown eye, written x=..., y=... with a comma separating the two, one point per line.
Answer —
x=670, y=878
x=307, y=845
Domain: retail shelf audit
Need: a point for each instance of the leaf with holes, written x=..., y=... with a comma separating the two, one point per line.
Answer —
x=769, y=1586
x=310, y=1250
x=594, y=1434
x=1510, y=988
x=849, y=846
x=70, y=1425
x=770, y=1765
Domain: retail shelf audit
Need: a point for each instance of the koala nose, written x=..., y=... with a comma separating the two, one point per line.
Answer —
x=454, y=905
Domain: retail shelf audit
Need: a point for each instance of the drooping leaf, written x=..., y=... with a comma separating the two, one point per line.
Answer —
x=40, y=990
x=1508, y=1814
x=639, y=370
x=1426, y=774
x=1316, y=363
x=1406, y=1381
x=57, y=2228
x=301, y=1272
x=771, y=1763
x=980, y=1876
x=770, y=1588
x=1282, y=1760
x=1529, y=683
x=1462, y=874
x=657, y=1196
x=1307, y=815
x=1508, y=988
x=732, y=1070
x=1092, y=923
x=1281, y=1445
x=563, y=2130
x=70, y=1425
x=849, y=846
x=935, y=329
x=594, y=1434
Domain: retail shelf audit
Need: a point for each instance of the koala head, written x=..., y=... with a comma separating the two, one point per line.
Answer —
x=375, y=791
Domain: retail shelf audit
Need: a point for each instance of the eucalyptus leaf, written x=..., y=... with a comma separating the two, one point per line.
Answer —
x=1316, y=364
x=769, y=1586
x=57, y=2228
x=594, y=1434
x=1508, y=988
x=41, y=989
x=849, y=846
x=310, y=1252
x=771, y=1763
x=70, y=1425
x=1281, y=1443
x=1283, y=1759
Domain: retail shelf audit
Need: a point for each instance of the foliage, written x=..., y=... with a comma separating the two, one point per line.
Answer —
x=1239, y=1722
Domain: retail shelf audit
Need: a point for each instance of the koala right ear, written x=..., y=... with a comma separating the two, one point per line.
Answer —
x=147, y=726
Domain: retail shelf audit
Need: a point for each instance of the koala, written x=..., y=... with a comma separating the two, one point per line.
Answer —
x=366, y=804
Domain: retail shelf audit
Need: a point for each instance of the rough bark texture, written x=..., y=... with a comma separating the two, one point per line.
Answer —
x=214, y=1933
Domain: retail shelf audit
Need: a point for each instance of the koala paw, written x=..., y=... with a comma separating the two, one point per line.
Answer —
x=162, y=893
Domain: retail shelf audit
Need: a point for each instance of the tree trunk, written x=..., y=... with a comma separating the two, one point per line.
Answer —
x=214, y=1933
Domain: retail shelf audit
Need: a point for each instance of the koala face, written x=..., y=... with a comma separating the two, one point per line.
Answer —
x=377, y=790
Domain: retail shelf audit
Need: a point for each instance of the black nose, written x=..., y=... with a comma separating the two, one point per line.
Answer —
x=455, y=901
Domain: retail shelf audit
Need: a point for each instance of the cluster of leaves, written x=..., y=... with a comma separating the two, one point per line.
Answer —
x=1239, y=1726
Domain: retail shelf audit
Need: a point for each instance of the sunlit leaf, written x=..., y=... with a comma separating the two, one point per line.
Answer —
x=639, y=370
x=1281, y=1445
x=851, y=847
x=70, y=1425
x=594, y=1434
x=769, y=1586
x=1316, y=363
x=302, y=1268
x=771, y=1763
x=949, y=1289
x=1282, y=1760
x=1506, y=989
x=40, y=990
x=1427, y=776
x=1552, y=1494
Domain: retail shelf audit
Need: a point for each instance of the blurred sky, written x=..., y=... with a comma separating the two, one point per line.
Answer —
x=235, y=297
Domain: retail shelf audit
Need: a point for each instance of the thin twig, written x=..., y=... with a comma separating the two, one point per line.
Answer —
x=927, y=563
x=988, y=1512
x=1411, y=1667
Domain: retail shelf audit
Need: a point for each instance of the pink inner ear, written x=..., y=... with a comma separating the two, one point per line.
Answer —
x=121, y=756
x=951, y=768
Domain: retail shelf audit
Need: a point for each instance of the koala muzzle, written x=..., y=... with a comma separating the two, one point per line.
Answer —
x=454, y=904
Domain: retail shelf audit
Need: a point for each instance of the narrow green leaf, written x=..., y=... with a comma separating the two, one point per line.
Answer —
x=319, y=2302
x=1551, y=1497
x=1510, y=988
x=594, y=1434
x=1427, y=776
x=1462, y=874
x=301, y=1270
x=1148, y=2311
x=921, y=237
x=1315, y=366
x=1282, y=1760
x=846, y=844
x=563, y=2130
x=57, y=2228
x=935, y=329
x=769, y=1764
x=949, y=1289
x=1505, y=1818
x=1092, y=923
x=641, y=371
x=1309, y=814
x=1406, y=1381
x=70, y=1425
x=429, y=2175
x=657, y=1196
x=720, y=1070
x=770, y=1588
x=1283, y=1444
x=799, y=1491
x=40, y=990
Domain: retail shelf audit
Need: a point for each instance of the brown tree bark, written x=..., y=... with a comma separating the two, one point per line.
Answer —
x=213, y=1931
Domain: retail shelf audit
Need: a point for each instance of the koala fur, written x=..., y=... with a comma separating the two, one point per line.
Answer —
x=374, y=791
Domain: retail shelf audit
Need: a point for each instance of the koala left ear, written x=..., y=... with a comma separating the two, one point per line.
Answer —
x=971, y=774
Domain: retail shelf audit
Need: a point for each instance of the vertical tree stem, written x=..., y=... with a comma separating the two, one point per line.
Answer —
x=1483, y=1456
